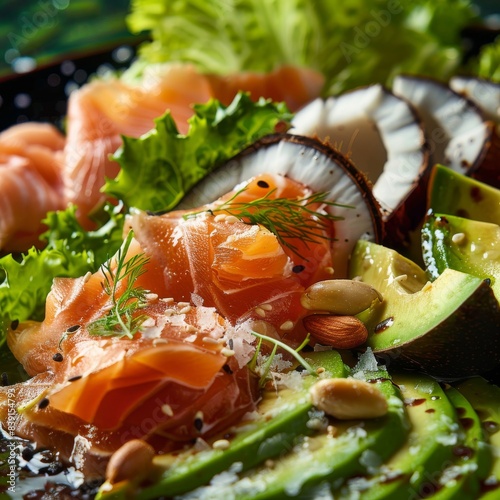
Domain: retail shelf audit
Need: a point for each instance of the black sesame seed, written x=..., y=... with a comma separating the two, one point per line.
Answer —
x=14, y=324
x=28, y=453
x=57, y=357
x=43, y=403
x=73, y=329
x=300, y=368
x=298, y=268
x=227, y=369
x=5, y=379
x=75, y=378
x=262, y=184
x=230, y=344
x=198, y=424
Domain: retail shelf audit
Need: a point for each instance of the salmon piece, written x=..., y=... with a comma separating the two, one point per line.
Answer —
x=241, y=269
x=30, y=182
x=100, y=112
x=102, y=389
x=293, y=85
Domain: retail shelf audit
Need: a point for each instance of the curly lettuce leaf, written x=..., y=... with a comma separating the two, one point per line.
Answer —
x=352, y=43
x=70, y=252
x=487, y=64
x=158, y=168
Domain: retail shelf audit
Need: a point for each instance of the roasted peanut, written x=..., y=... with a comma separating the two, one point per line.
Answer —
x=348, y=398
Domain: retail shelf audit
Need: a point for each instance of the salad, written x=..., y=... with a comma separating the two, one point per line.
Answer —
x=221, y=289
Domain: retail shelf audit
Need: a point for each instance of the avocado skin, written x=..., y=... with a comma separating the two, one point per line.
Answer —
x=449, y=328
x=455, y=194
x=476, y=251
x=485, y=399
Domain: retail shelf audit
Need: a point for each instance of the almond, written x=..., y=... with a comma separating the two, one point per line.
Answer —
x=340, y=332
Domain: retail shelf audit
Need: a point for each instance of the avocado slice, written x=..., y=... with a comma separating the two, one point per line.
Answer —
x=456, y=194
x=433, y=435
x=463, y=244
x=461, y=478
x=485, y=399
x=283, y=416
x=342, y=450
x=449, y=328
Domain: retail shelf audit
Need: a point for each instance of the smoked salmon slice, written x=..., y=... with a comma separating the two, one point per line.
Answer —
x=31, y=183
x=102, y=111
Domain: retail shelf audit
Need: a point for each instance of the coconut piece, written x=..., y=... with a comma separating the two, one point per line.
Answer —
x=318, y=166
x=383, y=136
x=459, y=134
x=484, y=93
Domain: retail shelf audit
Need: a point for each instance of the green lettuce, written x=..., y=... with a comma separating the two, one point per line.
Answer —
x=70, y=251
x=158, y=168
x=352, y=43
x=487, y=64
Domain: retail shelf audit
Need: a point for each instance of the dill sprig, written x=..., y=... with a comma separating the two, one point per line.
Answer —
x=287, y=218
x=122, y=319
x=277, y=343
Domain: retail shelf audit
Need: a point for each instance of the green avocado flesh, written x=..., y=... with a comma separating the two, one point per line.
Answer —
x=456, y=194
x=436, y=441
x=484, y=397
x=464, y=245
x=461, y=477
x=434, y=432
x=448, y=328
x=318, y=460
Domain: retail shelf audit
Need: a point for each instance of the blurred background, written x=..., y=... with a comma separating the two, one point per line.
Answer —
x=50, y=47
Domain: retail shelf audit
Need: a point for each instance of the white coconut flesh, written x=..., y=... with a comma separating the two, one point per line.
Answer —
x=378, y=131
x=484, y=93
x=457, y=131
x=315, y=165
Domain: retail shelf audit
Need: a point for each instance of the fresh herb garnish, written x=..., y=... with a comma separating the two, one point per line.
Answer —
x=286, y=218
x=277, y=343
x=122, y=319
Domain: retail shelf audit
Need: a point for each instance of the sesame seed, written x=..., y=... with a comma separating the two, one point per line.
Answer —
x=329, y=270
x=75, y=378
x=220, y=217
x=198, y=421
x=298, y=268
x=320, y=370
x=458, y=238
x=230, y=343
x=185, y=310
x=160, y=341
x=151, y=296
x=58, y=357
x=14, y=324
x=43, y=403
x=287, y=325
x=260, y=312
x=73, y=329
x=167, y=300
x=227, y=352
x=227, y=369
x=87, y=276
x=5, y=379
x=183, y=304
x=167, y=410
x=231, y=219
x=210, y=340
x=266, y=307
x=262, y=184
x=221, y=444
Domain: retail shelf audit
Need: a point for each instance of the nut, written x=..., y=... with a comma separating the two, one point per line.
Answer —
x=348, y=398
x=343, y=297
x=130, y=462
x=339, y=332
